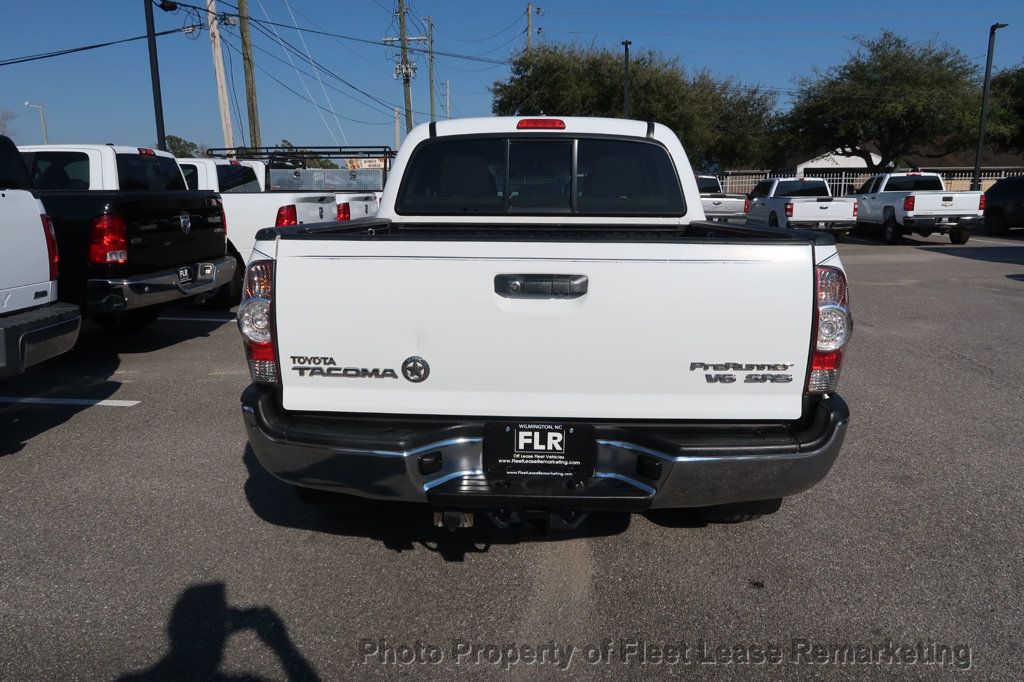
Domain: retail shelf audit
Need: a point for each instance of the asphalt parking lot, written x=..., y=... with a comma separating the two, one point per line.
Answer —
x=141, y=538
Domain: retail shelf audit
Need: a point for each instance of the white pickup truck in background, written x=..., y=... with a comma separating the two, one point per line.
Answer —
x=539, y=319
x=34, y=326
x=357, y=180
x=801, y=202
x=916, y=202
x=248, y=209
x=717, y=204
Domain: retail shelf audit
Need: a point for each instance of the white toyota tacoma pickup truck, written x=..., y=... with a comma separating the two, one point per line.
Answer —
x=540, y=320
x=916, y=202
x=34, y=326
x=717, y=204
x=801, y=202
x=248, y=208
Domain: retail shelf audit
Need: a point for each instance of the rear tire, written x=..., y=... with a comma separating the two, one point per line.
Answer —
x=996, y=223
x=840, y=236
x=129, y=320
x=740, y=512
x=958, y=236
x=891, y=230
x=773, y=220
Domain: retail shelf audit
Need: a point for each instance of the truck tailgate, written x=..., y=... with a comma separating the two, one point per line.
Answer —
x=946, y=203
x=309, y=208
x=170, y=228
x=822, y=209
x=642, y=341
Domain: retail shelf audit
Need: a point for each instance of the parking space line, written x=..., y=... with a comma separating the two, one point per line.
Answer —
x=991, y=241
x=68, y=401
x=197, y=319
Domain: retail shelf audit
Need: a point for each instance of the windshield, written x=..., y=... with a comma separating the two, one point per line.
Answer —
x=802, y=188
x=540, y=176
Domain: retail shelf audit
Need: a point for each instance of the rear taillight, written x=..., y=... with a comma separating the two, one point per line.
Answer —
x=256, y=322
x=855, y=208
x=981, y=203
x=287, y=215
x=344, y=212
x=833, y=326
x=908, y=203
x=789, y=210
x=746, y=205
x=224, y=221
x=108, y=240
x=51, y=245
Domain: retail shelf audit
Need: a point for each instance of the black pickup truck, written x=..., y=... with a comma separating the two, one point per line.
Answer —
x=131, y=237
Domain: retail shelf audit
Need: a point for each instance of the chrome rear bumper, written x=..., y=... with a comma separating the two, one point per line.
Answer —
x=439, y=460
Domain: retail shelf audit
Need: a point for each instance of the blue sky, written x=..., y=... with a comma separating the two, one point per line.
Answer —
x=104, y=95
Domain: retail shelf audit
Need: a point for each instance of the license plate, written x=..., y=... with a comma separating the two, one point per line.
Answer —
x=539, y=449
x=185, y=274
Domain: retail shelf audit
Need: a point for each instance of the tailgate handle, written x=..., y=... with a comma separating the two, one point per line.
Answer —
x=540, y=286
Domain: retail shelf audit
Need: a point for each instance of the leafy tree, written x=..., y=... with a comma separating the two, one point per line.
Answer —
x=720, y=122
x=310, y=159
x=5, y=123
x=1005, y=128
x=893, y=97
x=182, y=148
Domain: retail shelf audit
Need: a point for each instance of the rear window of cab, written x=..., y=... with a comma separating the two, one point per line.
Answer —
x=549, y=175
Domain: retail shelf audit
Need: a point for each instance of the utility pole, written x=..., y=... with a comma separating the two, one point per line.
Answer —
x=250, y=77
x=976, y=178
x=448, y=99
x=404, y=68
x=42, y=120
x=406, y=75
x=398, y=128
x=218, y=70
x=625, y=82
x=529, y=26
x=154, y=74
x=430, y=46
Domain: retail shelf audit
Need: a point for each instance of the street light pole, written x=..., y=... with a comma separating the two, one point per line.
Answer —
x=154, y=72
x=976, y=178
x=42, y=120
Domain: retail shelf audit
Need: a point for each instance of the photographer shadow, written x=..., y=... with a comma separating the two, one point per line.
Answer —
x=399, y=526
x=200, y=626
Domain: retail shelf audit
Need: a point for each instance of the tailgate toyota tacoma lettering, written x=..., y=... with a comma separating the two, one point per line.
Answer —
x=540, y=320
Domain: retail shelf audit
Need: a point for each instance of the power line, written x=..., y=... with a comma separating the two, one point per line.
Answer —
x=517, y=21
x=341, y=36
x=59, y=53
x=298, y=94
x=304, y=86
x=277, y=39
x=328, y=97
x=306, y=73
x=316, y=64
